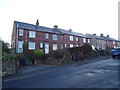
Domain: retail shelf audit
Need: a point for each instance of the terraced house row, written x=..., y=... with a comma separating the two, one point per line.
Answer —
x=47, y=39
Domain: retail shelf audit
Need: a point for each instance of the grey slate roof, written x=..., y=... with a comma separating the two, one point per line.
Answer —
x=104, y=38
x=98, y=37
x=35, y=27
x=46, y=29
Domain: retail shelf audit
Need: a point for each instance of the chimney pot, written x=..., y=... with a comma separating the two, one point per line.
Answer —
x=55, y=26
x=101, y=35
x=37, y=22
x=70, y=30
x=107, y=35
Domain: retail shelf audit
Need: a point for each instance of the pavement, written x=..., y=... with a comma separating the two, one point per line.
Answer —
x=28, y=71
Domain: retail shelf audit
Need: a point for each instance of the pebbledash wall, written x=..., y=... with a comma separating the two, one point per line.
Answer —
x=44, y=38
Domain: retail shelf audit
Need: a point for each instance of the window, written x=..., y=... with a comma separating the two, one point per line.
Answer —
x=46, y=36
x=31, y=46
x=71, y=45
x=32, y=34
x=76, y=45
x=61, y=36
x=84, y=40
x=88, y=40
x=20, y=46
x=113, y=42
x=61, y=46
x=65, y=45
x=41, y=45
x=76, y=38
x=55, y=46
x=54, y=37
x=20, y=32
x=71, y=38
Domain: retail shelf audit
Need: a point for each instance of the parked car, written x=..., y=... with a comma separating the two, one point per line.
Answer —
x=115, y=52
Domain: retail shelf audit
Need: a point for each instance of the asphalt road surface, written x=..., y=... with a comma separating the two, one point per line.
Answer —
x=99, y=74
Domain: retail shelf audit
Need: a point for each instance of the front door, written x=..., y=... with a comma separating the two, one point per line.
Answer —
x=20, y=47
x=46, y=48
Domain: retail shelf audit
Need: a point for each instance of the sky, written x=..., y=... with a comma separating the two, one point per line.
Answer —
x=83, y=16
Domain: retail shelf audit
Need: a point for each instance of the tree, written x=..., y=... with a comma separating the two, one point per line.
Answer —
x=5, y=47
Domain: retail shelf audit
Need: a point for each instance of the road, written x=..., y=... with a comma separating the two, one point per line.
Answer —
x=99, y=74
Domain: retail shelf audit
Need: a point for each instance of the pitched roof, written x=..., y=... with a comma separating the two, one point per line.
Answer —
x=35, y=27
x=104, y=38
x=46, y=29
x=98, y=37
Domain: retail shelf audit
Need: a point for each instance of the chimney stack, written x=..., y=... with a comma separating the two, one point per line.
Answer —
x=37, y=22
x=94, y=34
x=107, y=35
x=70, y=30
x=101, y=35
x=55, y=26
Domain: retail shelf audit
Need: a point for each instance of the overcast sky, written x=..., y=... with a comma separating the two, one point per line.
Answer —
x=83, y=16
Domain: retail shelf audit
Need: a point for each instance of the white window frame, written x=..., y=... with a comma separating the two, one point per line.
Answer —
x=41, y=45
x=65, y=45
x=76, y=45
x=46, y=36
x=32, y=34
x=88, y=40
x=113, y=42
x=71, y=38
x=76, y=38
x=55, y=46
x=61, y=46
x=54, y=37
x=71, y=45
x=20, y=32
x=30, y=47
x=84, y=40
x=20, y=47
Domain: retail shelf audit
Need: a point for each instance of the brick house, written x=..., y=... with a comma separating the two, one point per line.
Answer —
x=44, y=38
x=101, y=42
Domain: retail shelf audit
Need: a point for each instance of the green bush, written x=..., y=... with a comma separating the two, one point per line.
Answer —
x=86, y=48
x=38, y=52
x=8, y=57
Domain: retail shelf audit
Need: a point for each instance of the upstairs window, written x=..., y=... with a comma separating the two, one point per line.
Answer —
x=76, y=38
x=84, y=40
x=88, y=40
x=71, y=38
x=32, y=34
x=46, y=36
x=113, y=42
x=54, y=37
x=20, y=32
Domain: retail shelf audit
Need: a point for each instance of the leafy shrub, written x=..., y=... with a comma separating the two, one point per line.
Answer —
x=38, y=52
x=58, y=54
x=86, y=48
x=6, y=57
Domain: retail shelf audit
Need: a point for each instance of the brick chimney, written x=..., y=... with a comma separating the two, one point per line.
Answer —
x=37, y=22
x=94, y=34
x=70, y=30
x=107, y=35
x=55, y=26
x=101, y=35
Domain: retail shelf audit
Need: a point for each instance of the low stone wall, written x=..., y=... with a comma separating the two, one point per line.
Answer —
x=8, y=67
